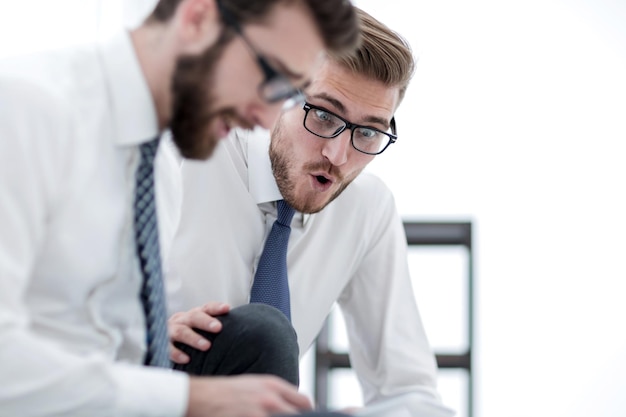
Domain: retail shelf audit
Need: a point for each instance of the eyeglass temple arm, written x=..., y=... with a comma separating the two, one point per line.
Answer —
x=392, y=124
x=229, y=20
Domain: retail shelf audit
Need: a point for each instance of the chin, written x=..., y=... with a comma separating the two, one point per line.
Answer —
x=312, y=207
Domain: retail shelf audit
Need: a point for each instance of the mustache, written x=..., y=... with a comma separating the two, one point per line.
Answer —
x=325, y=166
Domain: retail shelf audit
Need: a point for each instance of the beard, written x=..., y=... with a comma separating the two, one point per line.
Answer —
x=192, y=103
x=282, y=168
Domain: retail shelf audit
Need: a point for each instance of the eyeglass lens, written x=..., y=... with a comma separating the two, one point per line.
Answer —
x=328, y=125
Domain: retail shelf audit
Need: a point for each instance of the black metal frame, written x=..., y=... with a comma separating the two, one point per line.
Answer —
x=418, y=234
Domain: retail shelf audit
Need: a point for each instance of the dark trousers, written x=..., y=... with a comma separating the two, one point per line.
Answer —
x=255, y=339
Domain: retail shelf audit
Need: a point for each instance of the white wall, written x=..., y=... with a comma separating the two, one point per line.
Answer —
x=515, y=120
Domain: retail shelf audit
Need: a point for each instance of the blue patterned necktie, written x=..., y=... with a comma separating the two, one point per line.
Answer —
x=147, y=240
x=270, y=282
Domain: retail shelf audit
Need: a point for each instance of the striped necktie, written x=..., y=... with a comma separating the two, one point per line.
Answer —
x=147, y=241
x=270, y=281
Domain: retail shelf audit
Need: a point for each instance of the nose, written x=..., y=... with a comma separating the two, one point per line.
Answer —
x=336, y=149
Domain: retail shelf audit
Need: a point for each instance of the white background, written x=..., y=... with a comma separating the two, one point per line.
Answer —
x=516, y=121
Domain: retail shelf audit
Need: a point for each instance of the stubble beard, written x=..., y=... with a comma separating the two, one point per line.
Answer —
x=281, y=167
x=192, y=104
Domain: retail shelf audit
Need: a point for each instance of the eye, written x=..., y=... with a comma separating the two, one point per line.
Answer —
x=322, y=115
x=365, y=133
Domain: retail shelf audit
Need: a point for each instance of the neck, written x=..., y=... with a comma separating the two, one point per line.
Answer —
x=157, y=60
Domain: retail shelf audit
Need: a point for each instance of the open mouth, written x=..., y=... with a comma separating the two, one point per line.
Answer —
x=322, y=179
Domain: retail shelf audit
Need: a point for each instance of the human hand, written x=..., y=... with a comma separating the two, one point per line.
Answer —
x=349, y=410
x=180, y=328
x=244, y=396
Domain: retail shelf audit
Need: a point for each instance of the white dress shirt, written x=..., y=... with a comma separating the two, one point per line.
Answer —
x=72, y=331
x=354, y=252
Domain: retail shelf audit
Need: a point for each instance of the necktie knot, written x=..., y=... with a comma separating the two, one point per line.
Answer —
x=285, y=213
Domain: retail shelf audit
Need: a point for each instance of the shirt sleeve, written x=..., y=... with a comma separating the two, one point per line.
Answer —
x=389, y=350
x=40, y=377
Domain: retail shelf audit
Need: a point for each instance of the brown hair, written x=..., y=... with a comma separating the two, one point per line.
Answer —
x=336, y=20
x=383, y=54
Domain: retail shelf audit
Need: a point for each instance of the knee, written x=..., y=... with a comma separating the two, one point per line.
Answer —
x=263, y=325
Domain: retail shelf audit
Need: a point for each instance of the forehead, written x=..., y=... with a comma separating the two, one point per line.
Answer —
x=355, y=96
x=289, y=39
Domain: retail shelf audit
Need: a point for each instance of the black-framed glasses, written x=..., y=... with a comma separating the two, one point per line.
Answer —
x=275, y=87
x=328, y=125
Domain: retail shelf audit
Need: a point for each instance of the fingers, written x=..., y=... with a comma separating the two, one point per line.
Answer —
x=299, y=401
x=284, y=406
x=178, y=356
x=350, y=410
x=215, y=308
x=244, y=395
x=184, y=334
x=181, y=328
x=282, y=397
x=202, y=317
x=295, y=401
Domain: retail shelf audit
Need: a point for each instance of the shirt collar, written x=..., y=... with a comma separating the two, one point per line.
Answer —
x=261, y=183
x=132, y=105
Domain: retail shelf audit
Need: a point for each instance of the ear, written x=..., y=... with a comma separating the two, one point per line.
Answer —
x=198, y=25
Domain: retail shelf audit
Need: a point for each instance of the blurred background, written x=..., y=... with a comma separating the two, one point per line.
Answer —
x=515, y=122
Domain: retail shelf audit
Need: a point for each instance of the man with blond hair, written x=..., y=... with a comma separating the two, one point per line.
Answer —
x=346, y=244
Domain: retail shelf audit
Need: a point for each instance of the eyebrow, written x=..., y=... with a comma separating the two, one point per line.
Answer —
x=342, y=109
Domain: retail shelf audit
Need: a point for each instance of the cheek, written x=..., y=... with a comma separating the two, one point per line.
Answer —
x=357, y=164
x=233, y=88
x=309, y=150
x=236, y=81
x=296, y=139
